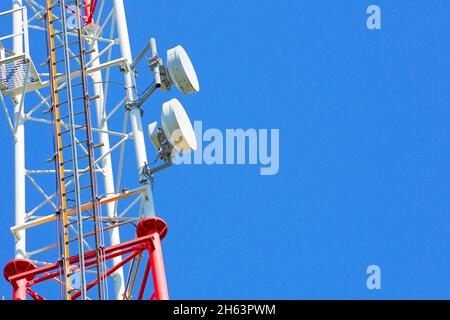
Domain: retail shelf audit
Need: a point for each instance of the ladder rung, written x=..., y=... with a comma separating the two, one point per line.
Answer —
x=66, y=162
x=83, y=157
x=61, y=32
x=58, y=61
x=73, y=86
x=75, y=114
x=57, y=5
x=72, y=57
x=84, y=218
x=69, y=145
x=79, y=98
x=67, y=131
x=65, y=102
x=62, y=46
x=56, y=34
x=71, y=160
x=73, y=42
x=63, y=74
x=69, y=192
x=83, y=204
x=89, y=51
x=61, y=103
x=81, y=189
x=55, y=20
x=68, y=177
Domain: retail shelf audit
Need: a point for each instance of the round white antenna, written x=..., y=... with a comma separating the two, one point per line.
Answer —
x=177, y=127
x=181, y=70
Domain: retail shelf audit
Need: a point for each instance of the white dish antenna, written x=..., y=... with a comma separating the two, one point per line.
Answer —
x=177, y=127
x=181, y=70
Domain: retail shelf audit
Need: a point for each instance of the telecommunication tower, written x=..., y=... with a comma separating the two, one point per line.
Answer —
x=56, y=96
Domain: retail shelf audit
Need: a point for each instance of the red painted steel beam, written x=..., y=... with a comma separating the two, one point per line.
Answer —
x=109, y=272
x=90, y=10
x=159, y=274
x=34, y=295
x=75, y=259
x=89, y=263
x=157, y=228
x=20, y=286
x=144, y=280
x=20, y=273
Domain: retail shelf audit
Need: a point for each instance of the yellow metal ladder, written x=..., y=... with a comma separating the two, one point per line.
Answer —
x=73, y=142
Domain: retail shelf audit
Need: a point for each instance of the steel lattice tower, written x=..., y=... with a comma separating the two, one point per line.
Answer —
x=63, y=99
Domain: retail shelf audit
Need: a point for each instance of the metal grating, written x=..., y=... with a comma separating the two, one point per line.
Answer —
x=13, y=73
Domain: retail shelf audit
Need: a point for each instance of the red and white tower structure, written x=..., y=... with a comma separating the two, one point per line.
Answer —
x=85, y=224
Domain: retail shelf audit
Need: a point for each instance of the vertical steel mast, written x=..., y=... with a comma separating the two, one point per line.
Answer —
x=139, y=147
x=135, y=112
x=19, y=137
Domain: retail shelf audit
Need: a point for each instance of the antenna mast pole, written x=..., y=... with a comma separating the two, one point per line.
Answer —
x=135, y=113
x=19, y=138
x=156, y=259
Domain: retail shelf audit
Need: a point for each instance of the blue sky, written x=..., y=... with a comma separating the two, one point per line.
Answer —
x=363, y=119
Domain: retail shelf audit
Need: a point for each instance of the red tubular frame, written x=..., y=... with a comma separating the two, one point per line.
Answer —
x=109, y=272
x=20, y=290
x=144, y=281
x=22, y=274
x=90, y=10
x=157, y=263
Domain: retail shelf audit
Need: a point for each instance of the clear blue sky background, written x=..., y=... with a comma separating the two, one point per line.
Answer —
x=364, y=150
